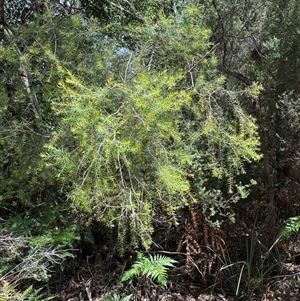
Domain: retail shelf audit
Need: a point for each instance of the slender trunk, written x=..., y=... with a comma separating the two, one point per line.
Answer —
x=2, y=16
x=264, y=119
x=268, y=171
x=23, y=74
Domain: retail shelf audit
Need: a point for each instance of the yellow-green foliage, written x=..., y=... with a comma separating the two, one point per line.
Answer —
x=126, y=144
x=120, y=139
x=231, y=144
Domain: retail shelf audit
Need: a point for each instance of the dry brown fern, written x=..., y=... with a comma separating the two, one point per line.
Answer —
x=202, y=243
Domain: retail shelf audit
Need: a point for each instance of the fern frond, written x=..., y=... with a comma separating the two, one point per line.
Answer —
x=9, y=292
x=31, y=294
x=292, y=226
x=153, y=267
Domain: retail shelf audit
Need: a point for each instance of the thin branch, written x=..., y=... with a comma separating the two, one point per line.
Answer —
x=236, y=75
x=23, y=72
x=2, y=16
x=203, y=57
x=127, y=67
x=125, y=11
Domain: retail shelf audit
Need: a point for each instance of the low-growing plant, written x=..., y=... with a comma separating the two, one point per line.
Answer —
x=9, y=292
x=292, y=226
x=21, y=257
x=248, y=276
x=153, y=267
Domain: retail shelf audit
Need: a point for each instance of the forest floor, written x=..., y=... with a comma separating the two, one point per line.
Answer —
x=93, y=279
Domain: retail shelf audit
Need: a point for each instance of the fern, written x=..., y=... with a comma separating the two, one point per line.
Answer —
x=292, y=226
x=153, y=267
x=30, y=294
x=8, y=292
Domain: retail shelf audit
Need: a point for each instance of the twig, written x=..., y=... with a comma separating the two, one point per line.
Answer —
x=236, y=75
x=125, y=11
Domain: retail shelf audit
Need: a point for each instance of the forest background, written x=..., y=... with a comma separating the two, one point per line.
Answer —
x=164, y=127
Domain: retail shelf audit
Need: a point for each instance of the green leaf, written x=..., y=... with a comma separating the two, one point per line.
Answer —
x=153, y=267
x=292, y=226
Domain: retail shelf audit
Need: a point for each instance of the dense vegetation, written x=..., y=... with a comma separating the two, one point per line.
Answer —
x=148, y=126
